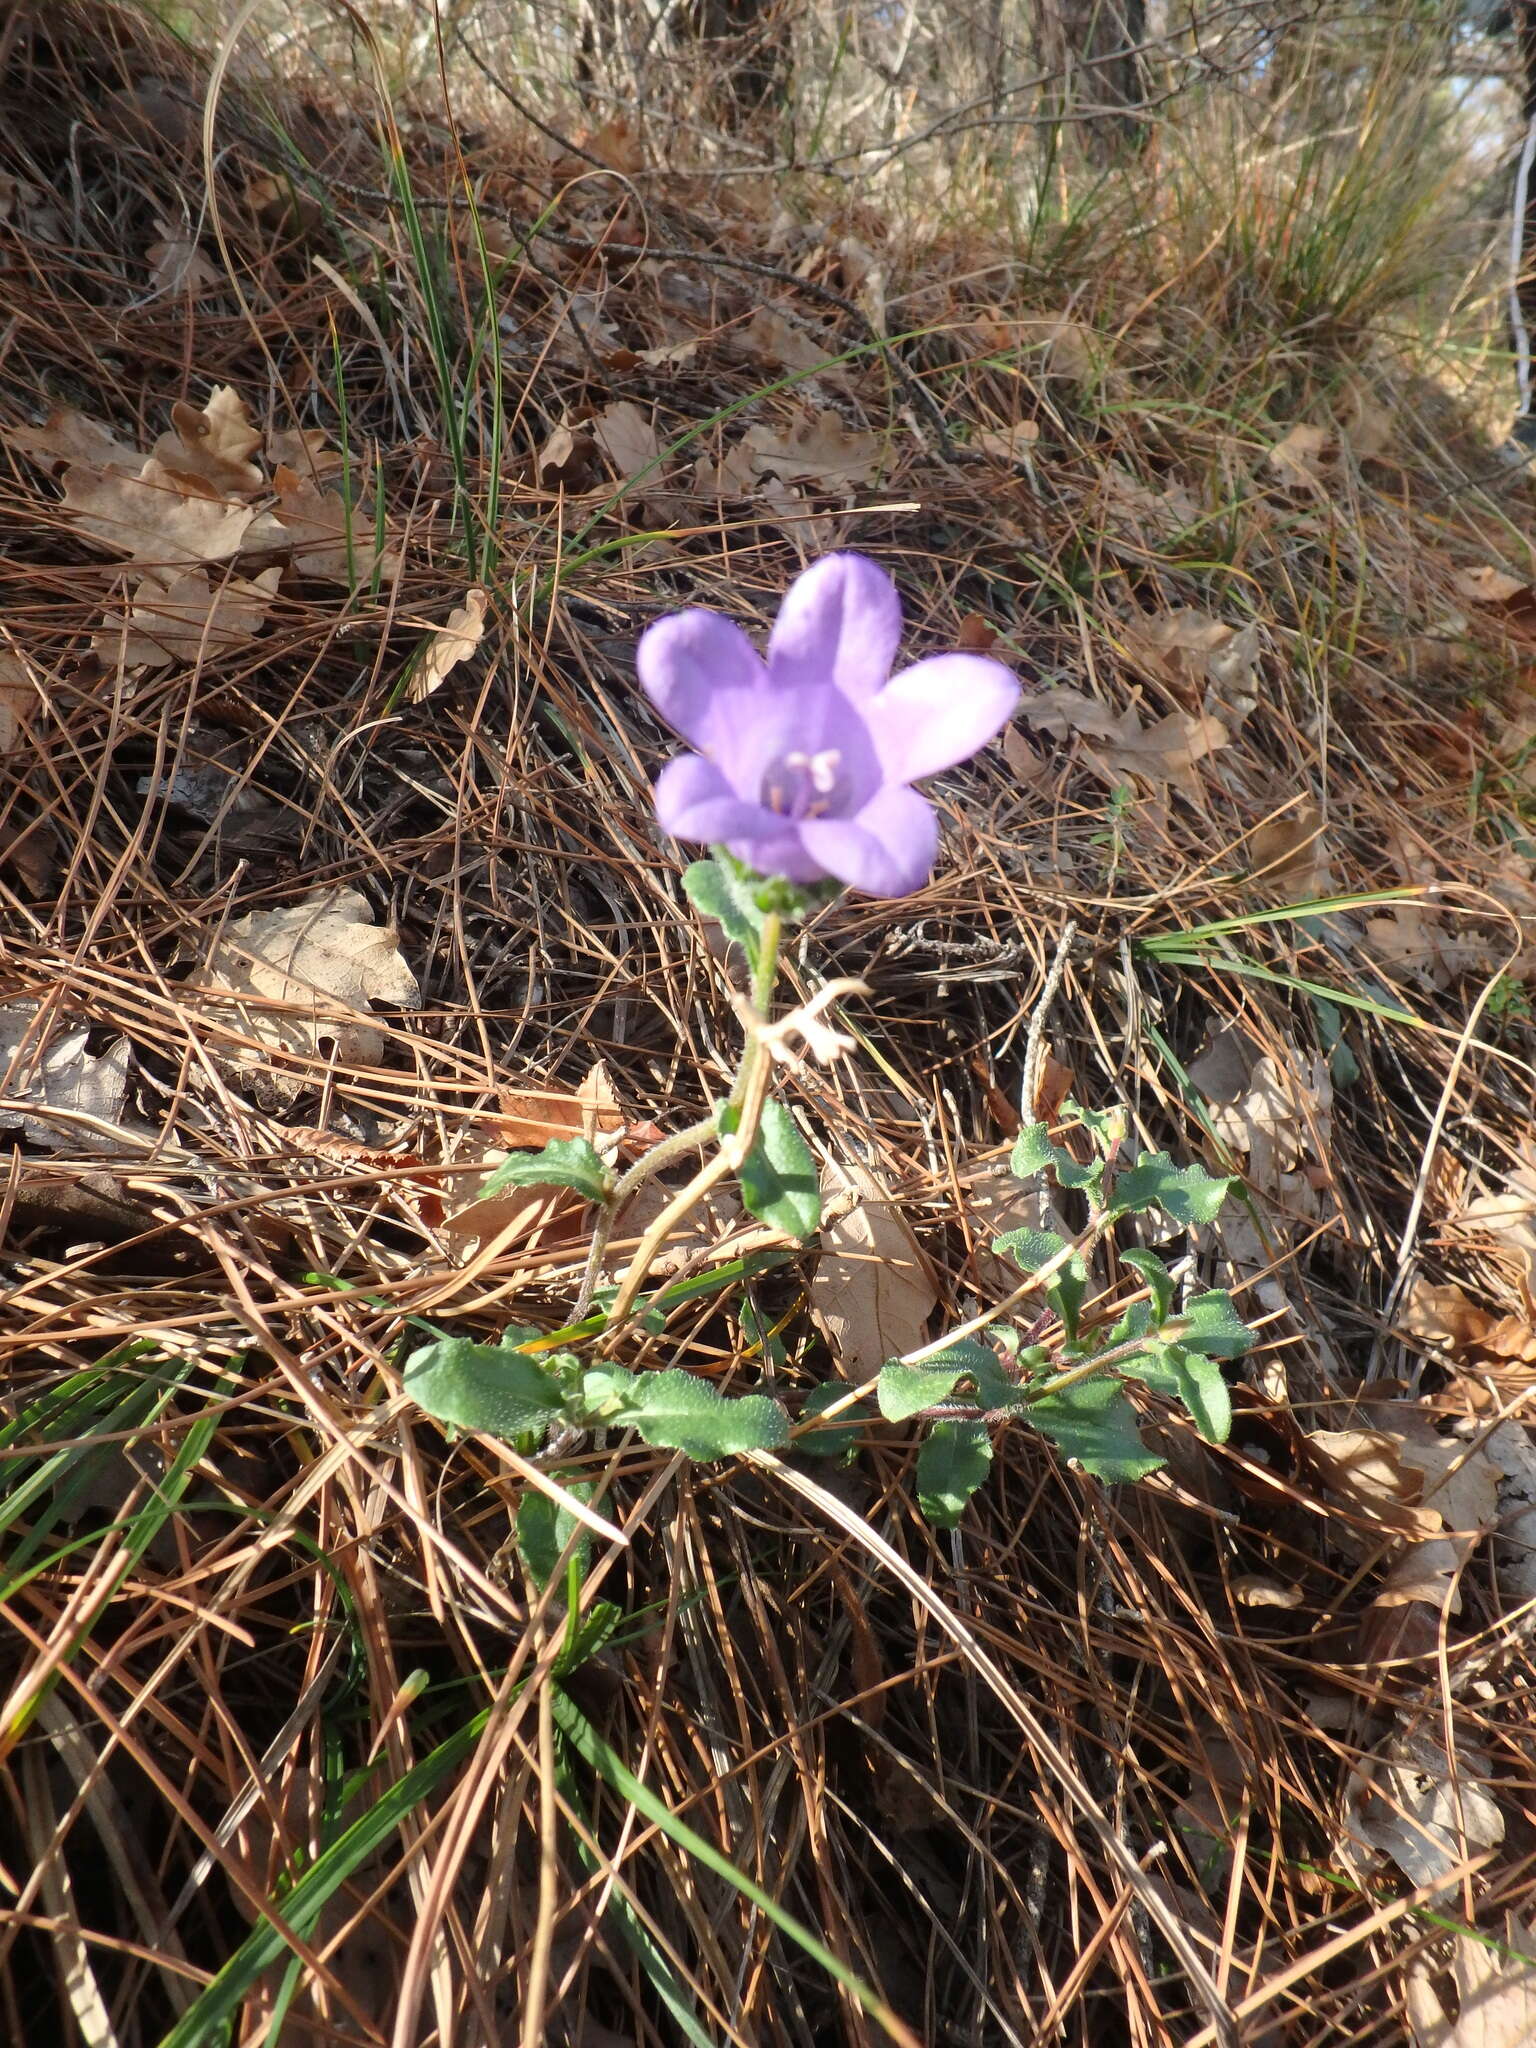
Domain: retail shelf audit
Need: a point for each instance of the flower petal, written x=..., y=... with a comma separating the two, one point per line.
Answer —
x=694, y=666
x=694, y=801
x=783, y=852
x=840, y=623
x=938, y=712
x=887, y=850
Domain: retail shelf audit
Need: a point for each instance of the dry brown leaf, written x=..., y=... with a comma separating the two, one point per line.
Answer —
x=781, y=344
x=20, y=699
x=1063, y=347
x=1195, y=654
x=1300, y=457
x=1512, y=1451
x=450, y=644
x=186, y=618
x=1367, y=1472
x=1063, y=713
x=1411, y=1804
x=1493, y=1995
x=1288, y=855
x=529, y=1219
x=299, y=981
x=529, y=1117
x=177, y=264
x=316, y=525
x=1252, y=1589
x=1269, y=1111
x=31, y=209
x=733, y=476
x=1367, y=426
x=995, y=1201
x=1508, y=1214
x=1013, y=446
x=669, y=357
x=1134, y=505
x=61, y=1098
x=71, y=436
x=816, y=448
x=568, y=460
x=156, y=516
x=626, y=437
x=303, y=450
x=1165, y=752
x=873, y=1292
x=215, y=444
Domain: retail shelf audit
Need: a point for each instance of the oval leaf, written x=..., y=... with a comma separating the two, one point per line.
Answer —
x=778, y=1176
x=563, y=1163
x=483, y=1386
x=951, y=1465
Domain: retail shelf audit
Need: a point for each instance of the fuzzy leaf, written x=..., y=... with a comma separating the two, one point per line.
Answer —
x=1214, y=1327
x=1157, y=1277
x=953, y=1462
x=1095, y=1423
x=1065, y=1290
x=483, y=1386
x=714, y=890
x=1185, y=1376
x=1033, y=1152
x=835, y=1439
x=563, y=1163
x=676, y=1412
x=778, y=1176
x=1186, y=1193
x=543, y=1530
x=904, y=1390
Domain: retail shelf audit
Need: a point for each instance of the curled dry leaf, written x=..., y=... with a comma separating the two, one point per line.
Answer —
x=185, y=618
x=1288, y=855
x=567, y=461
x=69, y=436
x=785, y=345
x=298, y=981
x=157, y=515
x=303, y=450
x=873, y=1292
x=58, y=1093
x=1270, y=1111
x=626, y=437
x=450, y=644
x=330, y=542
x=215, y=444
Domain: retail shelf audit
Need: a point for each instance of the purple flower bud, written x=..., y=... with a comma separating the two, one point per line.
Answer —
x=804, y=760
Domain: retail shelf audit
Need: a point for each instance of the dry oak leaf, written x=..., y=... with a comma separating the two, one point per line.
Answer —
x=1494, y=1995
x=177, y=264
x=1065, y=347
x=873, y=1292
x=215, y=444
x=1193, y=652
x=816, y=448
x=303, y=450
x=626, y=437
x=60, y=1099
x=185, y=617
x=71, y=436
x=1300, y=456
x=452, y=643
x=329, y=542
x=534, y=1218
x=156, y=516
x=1165, y=514
x=299, y=980
x=1288, y=854
x=775, y=340
x=733, y=476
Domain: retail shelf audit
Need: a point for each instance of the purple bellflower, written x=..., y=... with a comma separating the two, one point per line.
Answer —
x=805, y=761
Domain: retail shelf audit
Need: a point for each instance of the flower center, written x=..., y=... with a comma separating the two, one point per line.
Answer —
x=801, y=785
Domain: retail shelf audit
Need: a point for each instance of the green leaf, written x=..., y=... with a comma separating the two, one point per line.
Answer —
x=588, y=1637
x=544, y=1528
x=563, y=1163
x=1068, y=1286
x=483, y=1386
x=778, y=1176
x=1186, y=1193
x=1185, y=1376
x=713, y=889
x=1033, y=1152
x=1157, y=1277
x=953, y=1462
x=904, y=1390
x=677, y=1412
x=1095, y=1423
x=834, y=1439
x=994, y=1388
x=1213, y=1326
x=1107, y=1127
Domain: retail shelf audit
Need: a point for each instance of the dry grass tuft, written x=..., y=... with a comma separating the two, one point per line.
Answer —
x=269, y=1658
